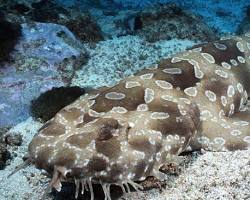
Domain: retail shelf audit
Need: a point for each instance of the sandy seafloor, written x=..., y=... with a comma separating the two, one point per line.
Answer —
x=211, y=175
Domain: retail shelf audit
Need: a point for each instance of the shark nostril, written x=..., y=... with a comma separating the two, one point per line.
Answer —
x=108, y=129
x=105, y=133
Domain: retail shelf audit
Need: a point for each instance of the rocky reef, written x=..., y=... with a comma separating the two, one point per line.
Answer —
x=170, y=21
x=80, y=23
x=47, y=56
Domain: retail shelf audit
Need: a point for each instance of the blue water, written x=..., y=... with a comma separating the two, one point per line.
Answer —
x=233, y=10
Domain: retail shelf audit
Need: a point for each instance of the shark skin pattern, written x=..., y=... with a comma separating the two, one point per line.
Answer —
x=122, y=134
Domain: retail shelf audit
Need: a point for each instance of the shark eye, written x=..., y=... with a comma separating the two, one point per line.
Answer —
x=108, y=127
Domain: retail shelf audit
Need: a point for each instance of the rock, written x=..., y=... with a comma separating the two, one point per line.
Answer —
x=50, y=102
x=48, y=11
x=169, y=22
x=82, y=24
x=4, y=155
x=21, y=8
x=13, y=139
x=85, y=28
x=26, y=3
x=152, y=182
x=10, y=33
x=46, y=57
x=7, y=139
x=3, y=131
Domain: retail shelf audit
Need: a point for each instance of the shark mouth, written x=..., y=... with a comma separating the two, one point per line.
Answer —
x=86, y=184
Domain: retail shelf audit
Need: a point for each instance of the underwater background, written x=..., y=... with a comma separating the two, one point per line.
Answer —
x=53, y=51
